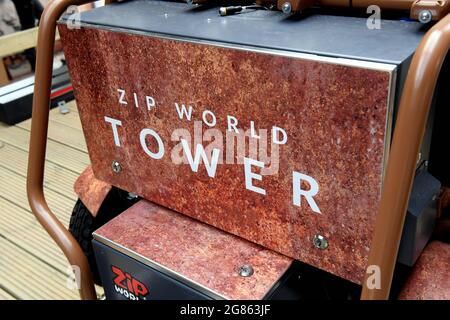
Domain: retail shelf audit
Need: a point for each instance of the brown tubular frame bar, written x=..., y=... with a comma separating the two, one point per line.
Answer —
x=408, y=134
x=38, y=143
x=410, y=127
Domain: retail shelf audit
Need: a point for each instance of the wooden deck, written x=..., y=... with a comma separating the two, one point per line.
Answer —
x=31, y=265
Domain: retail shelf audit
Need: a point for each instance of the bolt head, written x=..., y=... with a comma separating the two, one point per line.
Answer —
x=116, y=167
x=425, y=16
x=245, y=270
x=223, y=11
x=320, y=242
x=132, y=196
x=286, y=7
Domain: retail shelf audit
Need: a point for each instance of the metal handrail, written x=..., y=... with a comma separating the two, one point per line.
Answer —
x=410, y=126
x=408, y=134
x=38, y=144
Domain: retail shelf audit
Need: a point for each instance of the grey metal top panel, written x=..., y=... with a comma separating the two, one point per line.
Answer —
x=334, y=36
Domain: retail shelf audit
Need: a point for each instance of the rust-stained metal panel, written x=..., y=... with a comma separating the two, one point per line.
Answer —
x=334, y=113
x=91, y=191
x=430, y=279
x=194, y=252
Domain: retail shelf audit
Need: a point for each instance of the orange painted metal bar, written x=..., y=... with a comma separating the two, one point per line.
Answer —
x=38, y=144
x=410, y=126
x=409, y=130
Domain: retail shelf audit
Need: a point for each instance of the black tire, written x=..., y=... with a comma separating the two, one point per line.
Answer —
x=81, y=227
x=83, y=224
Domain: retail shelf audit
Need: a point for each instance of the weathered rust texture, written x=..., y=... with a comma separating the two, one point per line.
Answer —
x=335, y=117
x=201, y=253
x=430, y=278
x=91, y=191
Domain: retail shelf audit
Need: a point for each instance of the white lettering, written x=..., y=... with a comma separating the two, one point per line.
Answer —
x=200, y=152
x=155, y=155
x=114, y=124
x=136, y=103
x=122, y=96
x=252, y=131
x=297, y=178
x=275, y=139
x=183, y=111
x=232, y=123
x=150, y=102
x=213, y=118
x=249, y=175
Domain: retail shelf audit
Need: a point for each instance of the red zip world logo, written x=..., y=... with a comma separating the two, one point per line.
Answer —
x=127, y=285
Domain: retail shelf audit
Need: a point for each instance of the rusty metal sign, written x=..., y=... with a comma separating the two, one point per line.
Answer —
x=280, y=148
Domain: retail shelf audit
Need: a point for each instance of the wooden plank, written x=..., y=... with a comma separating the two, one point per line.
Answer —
x=31, y=264
x=5, y=295
x=14, y=190
x=19, y=41
x=27, y=277
x=57, y=178
x=71, y=119
x=61, y=133
x=22, y=229
x=57, y=153
x=72, y=106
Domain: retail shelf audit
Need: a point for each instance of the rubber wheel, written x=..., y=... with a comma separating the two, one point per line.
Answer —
x=83, y=224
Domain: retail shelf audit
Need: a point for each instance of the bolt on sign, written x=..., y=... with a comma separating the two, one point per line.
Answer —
x=280, y=148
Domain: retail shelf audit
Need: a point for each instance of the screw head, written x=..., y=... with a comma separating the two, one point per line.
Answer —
x=223, y=11
x=116, y=167
x=132, y=196
x=425, y=16
x=286, y=7
x=245, y=270
x=320, y=242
